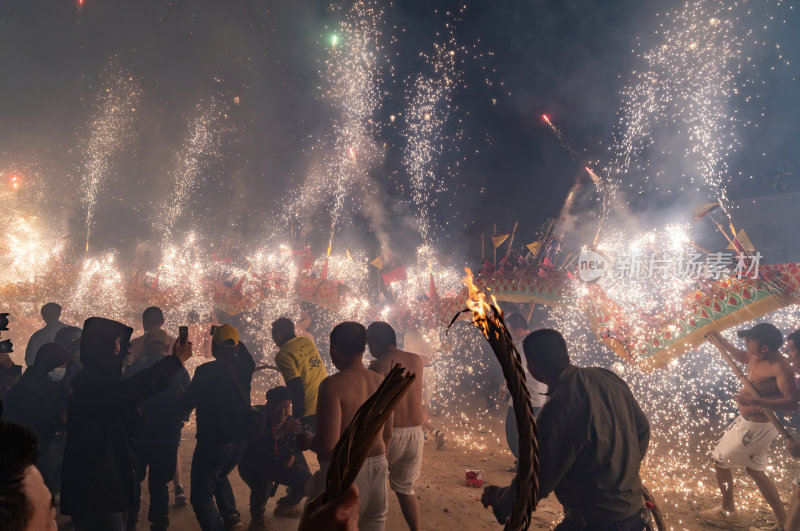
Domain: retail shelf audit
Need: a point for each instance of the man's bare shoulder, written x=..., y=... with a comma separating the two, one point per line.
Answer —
x=330, y=383
x=376, y=376
x=413, y=362
x=780, y=366
x=771, y=366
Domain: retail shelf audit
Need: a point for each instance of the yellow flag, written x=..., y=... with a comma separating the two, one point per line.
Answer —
x=378, y=263
x=744, y=239
x=533, y=247
x=499, y=239
x=348, y=255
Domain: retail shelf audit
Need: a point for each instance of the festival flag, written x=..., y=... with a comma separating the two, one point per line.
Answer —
x=348, y=255
x=533, y=247
x=394, y=275
x=743, y=239
x=499, y=239
x=705, y=209
x=377, y=263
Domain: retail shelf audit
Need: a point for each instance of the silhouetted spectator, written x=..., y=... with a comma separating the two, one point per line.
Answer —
x=220, y=391
x=39, y=402
x=97, y=479
x=51, y=313
x=271, y=459
x=156, y=446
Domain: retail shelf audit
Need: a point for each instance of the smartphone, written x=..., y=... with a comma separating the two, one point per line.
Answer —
x=183, y=334
x=213, y=330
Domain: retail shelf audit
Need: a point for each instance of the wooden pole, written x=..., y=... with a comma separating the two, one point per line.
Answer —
x=530, y=314
x=511, y=240
x=770, y=414
x=494, y=233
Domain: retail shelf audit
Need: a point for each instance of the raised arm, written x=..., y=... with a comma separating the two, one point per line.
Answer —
x=148, y=382
x=736, y=353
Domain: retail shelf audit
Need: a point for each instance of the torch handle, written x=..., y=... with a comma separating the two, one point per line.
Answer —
x=770, y=414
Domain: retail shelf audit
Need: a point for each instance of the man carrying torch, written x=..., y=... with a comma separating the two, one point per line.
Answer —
x=768, y=386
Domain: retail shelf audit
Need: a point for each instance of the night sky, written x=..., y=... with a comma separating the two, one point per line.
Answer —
x=569, y=59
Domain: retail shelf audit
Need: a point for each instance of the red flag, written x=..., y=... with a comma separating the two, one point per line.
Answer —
x=394, y=275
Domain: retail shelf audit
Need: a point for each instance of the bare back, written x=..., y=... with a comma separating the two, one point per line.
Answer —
x=408, y=412
x=340, y=396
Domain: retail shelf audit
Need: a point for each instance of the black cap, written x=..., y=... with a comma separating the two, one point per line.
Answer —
x=766, y=334
x=279, y=394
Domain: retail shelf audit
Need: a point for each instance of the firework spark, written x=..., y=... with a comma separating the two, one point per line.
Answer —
x=200, y=148
x=429, y=108
x=110, y=131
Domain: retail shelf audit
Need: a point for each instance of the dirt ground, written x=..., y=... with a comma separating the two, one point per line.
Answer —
x=447, y=503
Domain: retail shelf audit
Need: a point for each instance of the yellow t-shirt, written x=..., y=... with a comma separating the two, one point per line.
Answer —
x=299, y=358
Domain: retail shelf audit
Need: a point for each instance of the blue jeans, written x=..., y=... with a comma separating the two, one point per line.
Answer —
x=512, y=436
x=634, y=523
x=157, y=462
x=211, y=465
x=99, y=522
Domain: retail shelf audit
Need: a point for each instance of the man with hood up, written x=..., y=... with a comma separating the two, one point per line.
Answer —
x=97, y=478
x=39, y=402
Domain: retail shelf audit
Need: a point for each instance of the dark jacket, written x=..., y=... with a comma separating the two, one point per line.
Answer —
x=163, y=419
x=223, y=407
x=39, y=338
x=97, y=477
x=37, y=402
x=261, y=459
x=9, y=377
x=592, y=438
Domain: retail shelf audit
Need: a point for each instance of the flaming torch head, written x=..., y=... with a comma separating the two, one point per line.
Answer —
x=482, y=311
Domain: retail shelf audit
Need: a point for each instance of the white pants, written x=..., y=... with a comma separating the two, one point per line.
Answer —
x=405, y=454
x=745, y=444
x=371, y=483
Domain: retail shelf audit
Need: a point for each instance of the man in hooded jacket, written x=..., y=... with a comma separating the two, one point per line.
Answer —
x=98, y=478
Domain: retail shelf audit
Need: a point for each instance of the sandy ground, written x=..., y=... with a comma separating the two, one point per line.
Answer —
x=446, y=503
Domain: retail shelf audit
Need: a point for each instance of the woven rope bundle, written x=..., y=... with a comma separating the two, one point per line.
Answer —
x=488, y=318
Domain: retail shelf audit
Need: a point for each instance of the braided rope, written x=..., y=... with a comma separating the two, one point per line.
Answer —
x=527, y=496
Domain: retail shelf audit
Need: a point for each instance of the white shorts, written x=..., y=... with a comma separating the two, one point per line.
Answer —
x=371, y=483
x=405, y=454
x=745, y=444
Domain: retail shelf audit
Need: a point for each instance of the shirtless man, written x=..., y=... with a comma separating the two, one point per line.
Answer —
x=746, y=441
x=405, y=449
x=340, y=396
